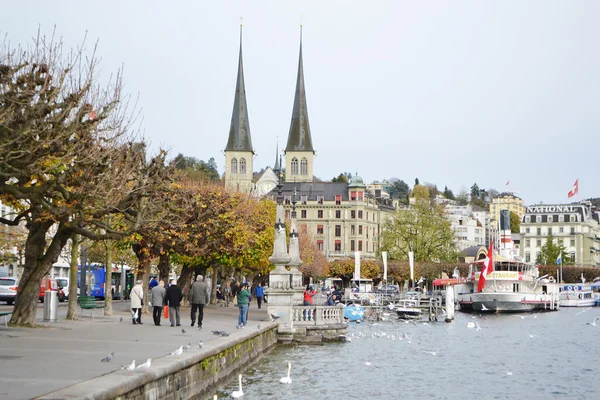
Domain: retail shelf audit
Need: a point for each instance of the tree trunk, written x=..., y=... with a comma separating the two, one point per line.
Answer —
x=144, y=276
x=213, y=289
x=108, y=280
x=164, y=268
x=73, y=274
x=185, y=280
x=38, y=261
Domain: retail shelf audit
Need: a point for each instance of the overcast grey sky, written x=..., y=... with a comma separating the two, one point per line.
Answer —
x=451, y=92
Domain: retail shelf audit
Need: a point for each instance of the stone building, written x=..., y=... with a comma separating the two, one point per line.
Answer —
x=505, y=201
x=575, y=225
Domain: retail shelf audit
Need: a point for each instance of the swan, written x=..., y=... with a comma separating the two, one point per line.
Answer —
x=238, y=393
x=287, y=379
x=470, y=324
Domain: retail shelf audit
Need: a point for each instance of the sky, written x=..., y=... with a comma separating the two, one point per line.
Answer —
x=450, y=92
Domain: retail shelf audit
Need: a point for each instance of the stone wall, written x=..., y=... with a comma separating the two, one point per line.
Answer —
x=193, y=375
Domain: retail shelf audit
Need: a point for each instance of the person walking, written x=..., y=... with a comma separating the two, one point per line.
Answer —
x=259, y=293
x=158, y=301
x=234, y=291
x=137, y=301
x=173, y=298
x=197, y=298
x=242, y=298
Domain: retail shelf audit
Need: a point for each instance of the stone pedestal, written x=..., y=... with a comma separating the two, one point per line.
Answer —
x=280, y=305
x=298, y=287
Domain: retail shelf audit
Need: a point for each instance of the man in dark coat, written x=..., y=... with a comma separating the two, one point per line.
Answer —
x=197, y=298
x=173, y=299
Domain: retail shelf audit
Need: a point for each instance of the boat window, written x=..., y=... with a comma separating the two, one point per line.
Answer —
x=516, y=287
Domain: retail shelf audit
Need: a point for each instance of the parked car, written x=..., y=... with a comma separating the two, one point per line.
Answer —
x=63, y=283
x=8, y=289
x=49, y=283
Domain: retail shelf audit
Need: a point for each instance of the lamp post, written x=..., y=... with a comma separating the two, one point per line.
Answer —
x=83, y=274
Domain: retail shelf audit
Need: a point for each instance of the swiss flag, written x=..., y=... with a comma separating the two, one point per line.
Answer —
x=488, y=267
x=575, y=189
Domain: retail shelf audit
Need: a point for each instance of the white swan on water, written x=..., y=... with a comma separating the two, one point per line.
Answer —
x=287, y=379
x=238, y=393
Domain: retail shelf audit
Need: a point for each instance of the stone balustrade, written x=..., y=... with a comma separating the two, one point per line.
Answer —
x=317, y=315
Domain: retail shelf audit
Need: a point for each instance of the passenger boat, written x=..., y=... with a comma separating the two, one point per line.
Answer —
x=576, y=295
x=408, y=309
x=513, y=286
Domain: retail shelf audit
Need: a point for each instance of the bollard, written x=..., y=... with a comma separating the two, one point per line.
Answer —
x=50, y=306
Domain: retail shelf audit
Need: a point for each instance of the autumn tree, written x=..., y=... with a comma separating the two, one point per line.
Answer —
x=314, y=263
x=369, y=269
x=68, y=160
x=422, y=229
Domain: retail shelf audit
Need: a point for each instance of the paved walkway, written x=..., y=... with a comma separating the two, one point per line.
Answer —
x=37, y=361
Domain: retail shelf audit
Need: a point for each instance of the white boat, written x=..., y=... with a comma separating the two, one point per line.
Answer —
x=576, y=295
x=408, y=309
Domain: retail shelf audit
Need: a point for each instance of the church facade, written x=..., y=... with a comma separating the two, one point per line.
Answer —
x=341, y=218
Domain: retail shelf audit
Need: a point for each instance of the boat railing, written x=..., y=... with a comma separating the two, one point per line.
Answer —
x=317, y=315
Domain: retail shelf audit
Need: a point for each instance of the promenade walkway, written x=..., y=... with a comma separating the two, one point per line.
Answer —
x=37, y=361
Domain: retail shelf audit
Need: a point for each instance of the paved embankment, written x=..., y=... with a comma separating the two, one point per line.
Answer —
x=37, y=361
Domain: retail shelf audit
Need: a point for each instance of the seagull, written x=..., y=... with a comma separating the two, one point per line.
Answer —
x=287, y=379
x=433, y=353
x=593, y=323
x=508, y=373
x=532, y=336
x=182, y=330
x=274, y=317
x=369, y=364
x=470, y=324
x=145, y=365
x=238, y=393
x=478, y=327
x=484, y=308
x=109, y=357
x=584, y=310
x=121, y=319
x=519, y=316
x=201, y=344
x=189, y=346
x=129, y=367
x=177, y=352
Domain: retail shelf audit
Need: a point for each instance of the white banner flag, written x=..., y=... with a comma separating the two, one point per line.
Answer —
x=357, y=265
x=384, y=256
x=411, y=262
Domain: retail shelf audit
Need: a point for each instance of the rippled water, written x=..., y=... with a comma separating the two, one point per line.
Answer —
x=500, y=361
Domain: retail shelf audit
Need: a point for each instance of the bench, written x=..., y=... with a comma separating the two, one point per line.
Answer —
x=4, y=314
x=89, y=303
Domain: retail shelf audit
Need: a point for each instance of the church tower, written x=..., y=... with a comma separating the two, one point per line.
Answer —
x=299, y=152
x=239, y=152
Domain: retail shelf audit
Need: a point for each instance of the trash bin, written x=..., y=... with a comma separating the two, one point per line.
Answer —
x=50, y=306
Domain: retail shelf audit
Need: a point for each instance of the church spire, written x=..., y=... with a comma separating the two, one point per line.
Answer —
x=239, y=131
x=299, y=138
x=277, y=166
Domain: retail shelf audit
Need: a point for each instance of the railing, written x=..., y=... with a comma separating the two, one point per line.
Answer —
x=317, y=315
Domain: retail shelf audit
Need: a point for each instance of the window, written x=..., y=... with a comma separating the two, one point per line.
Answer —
x=352, y=245
x=360, y=229
x=338, y=230
x=243, y=166
x=294, y=166
x=303, y=214
x=561, y=230
x=373, y=247
x=303, y=199
x=373, y=233
x=360, y=214
x=538, y=218
x=572, y=230
x=234, y=166
x=338, y=246
x=538, y=243
x=287, y=214
x=360, y=196
x=527, y=243
x=549, y=230
x=572, y=242
x=360, y=245
x=320, y=199
x=561, y=218
x=526, y=230
x=320, y=245
x=353, y=214
x=527, y=256
x=367, y=232
x=528, y=219
x=367, y=216
x=319, y=213
x=539, y=231
x=338, y=213
x=338, y=199
x=287, y=199
x=304, y=166
x=352, y=230
x=352, y=196
x=319, y=229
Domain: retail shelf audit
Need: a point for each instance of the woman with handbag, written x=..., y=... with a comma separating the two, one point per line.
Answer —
x=137, y=301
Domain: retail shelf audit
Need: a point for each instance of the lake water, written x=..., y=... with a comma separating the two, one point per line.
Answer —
x=513, y=356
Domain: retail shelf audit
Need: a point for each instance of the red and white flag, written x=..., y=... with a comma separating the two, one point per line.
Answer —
x=575, y=189
x=488, y=268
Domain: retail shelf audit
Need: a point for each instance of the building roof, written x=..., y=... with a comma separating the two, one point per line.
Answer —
x=239, y=131
x=313, y=189
x=356, y=182
x=299, y=138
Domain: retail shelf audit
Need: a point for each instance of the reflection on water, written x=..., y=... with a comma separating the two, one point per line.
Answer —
x=532, y=356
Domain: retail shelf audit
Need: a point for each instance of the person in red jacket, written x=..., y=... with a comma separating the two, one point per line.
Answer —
x=308, y=298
